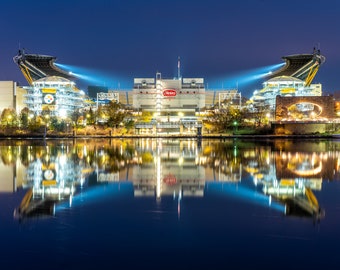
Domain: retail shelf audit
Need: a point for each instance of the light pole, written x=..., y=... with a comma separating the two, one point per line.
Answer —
x=235, y=126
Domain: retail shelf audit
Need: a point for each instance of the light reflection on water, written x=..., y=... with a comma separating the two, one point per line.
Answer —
x=187, y=202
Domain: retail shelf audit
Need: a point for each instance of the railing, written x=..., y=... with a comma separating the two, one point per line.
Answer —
x=171, y=124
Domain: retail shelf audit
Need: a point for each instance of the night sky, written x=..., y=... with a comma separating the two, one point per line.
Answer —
x=215, y=39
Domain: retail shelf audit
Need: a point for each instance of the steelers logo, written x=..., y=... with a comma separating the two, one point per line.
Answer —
x=48, y=174
x=48, y=99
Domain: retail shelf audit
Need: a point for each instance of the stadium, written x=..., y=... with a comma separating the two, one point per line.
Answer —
x=293, y=79
x=175, y=104
x=50, y=89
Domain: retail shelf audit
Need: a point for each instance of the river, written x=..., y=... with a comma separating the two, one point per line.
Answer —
x=169, y=203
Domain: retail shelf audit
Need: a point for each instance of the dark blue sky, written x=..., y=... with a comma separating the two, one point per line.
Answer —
x=131, y=38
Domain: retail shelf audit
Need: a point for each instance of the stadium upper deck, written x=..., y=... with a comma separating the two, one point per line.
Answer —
x=37, y=66
x=300, y=66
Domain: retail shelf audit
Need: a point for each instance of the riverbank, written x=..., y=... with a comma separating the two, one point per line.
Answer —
x=174, y=136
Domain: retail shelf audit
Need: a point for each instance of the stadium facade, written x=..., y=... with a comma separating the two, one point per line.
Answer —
x=168, y=96
x=285, y=86
x=54, y=94
x=293, y=79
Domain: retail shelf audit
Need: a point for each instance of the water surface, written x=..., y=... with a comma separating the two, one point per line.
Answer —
x=169, y=203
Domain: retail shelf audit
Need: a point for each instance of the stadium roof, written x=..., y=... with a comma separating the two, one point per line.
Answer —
x=37, y=66
x=301, y=66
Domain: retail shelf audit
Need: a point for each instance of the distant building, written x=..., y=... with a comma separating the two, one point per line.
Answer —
x=11, y=96
x=169, y=96
x=93, y=90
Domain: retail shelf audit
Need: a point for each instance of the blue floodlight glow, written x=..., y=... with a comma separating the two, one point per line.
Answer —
x=95, y=77
x=245, y=78
x=246, y=194
x=91, y=195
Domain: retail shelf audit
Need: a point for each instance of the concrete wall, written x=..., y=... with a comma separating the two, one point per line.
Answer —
x=305, y=128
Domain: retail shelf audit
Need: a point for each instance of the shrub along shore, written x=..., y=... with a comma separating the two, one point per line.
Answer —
x=97, y=132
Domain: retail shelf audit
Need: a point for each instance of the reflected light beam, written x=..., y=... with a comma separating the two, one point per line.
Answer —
x=246, y=194
x=90, y=195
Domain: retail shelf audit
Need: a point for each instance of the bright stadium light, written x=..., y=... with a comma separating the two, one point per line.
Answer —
x=262, y=75
x=94, y=77
x=247, y=77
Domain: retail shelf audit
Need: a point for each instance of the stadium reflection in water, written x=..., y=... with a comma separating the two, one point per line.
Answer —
x=59, y=179
x=284, y=173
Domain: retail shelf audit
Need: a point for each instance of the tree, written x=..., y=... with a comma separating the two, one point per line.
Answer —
x=259, y=115
x=24, y=117
x=77, y=117
x=115, y=113
x=36, y=123
x=9, y=118
x=225, y=119
x=90, y=117
x=146, y=116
